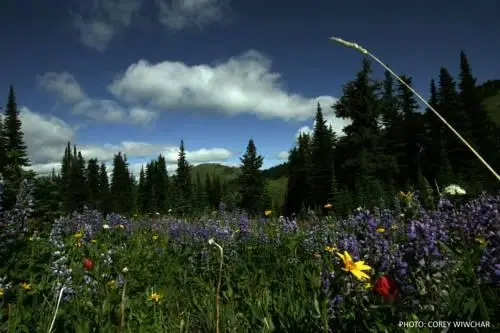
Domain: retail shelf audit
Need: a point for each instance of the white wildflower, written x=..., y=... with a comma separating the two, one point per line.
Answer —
x=105, y=226
x=125, y=270
x=454, y=190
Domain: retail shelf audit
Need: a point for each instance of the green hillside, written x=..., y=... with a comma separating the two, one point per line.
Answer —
x=275, y=176
x=490, y=92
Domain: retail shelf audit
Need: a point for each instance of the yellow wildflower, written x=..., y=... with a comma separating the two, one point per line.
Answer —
x=79, y=234
x=356, y=268
x=268, y=212
x=368, y=285
x=155, y=237
x=1, y=292
x=328, y=205
x=112, y=284
x=330, y=249
x=26, y=286
x=481, y=241
x=380, y=230
x=154, y=297
x=93, y=241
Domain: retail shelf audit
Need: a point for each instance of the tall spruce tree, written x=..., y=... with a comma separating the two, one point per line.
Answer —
x=481, y=129
x=359, y=148
x=92, y=175
x=105, y=201
x=449, y=108
x=183, y=180
x=251, y=181
x=121, y=185
x=3, y=151
x=321, y=161
x=13, y=135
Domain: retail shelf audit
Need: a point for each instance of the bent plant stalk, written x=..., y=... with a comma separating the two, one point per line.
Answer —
x=368, y=53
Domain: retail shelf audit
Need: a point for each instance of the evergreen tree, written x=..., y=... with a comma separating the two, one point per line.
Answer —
x=321, y=161
x=163, y=183
x=13, y=135
x=3, y=151
x=92, y=175
x=142, y=192
x=449, y=108
x=121, y=186
x=183, y=180
x=105, y=202
x=481, y=129
x=413, y=133
x=251, y=181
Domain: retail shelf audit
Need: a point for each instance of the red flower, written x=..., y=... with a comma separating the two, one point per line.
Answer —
x=88, y=264
x=386, y=287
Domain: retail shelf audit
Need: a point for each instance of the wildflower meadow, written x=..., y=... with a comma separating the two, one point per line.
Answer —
x=226, y=273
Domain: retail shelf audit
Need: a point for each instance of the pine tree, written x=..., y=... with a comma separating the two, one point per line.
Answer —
x=411, y=144
x=321, y=161
x=121, y=186
x=481, y=128
x=163, y=183
x=183, y=180
x=13, y=135
x=142, y=192
x=251, y=181
x=105, y=201
x=92, y=175
x=449, y=108
x=3, y=151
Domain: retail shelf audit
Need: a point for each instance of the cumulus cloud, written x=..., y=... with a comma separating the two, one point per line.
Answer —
x=182, y=14
x=337, y=124
x=64, y=85
x=282, y=155
x=99, y=21
x=46, y=138
x=243, y=84
x=67, y=88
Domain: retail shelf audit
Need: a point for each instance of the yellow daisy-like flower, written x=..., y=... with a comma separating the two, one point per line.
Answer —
x=328, y=206
x=355, y=268
x=155, y=237
x=1, y=292
x=380, y=230
x=268, y=212
x=330, y=249
x=26, y=286
x=154, y=297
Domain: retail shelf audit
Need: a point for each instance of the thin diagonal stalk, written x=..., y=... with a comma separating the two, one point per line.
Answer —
x=368, y=53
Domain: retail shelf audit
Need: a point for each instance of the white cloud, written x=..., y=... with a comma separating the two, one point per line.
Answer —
x=101, y=20
x=66, y=87
x=181, y=14
x=337, y=124
x=45, y=136
x=62, y=84
x=283, y=155
x=243, y=84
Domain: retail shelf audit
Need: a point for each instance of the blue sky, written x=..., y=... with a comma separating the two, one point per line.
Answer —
x=138, y=76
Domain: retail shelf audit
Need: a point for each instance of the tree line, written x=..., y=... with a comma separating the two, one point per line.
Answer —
x=390, y=146
x=387, y=147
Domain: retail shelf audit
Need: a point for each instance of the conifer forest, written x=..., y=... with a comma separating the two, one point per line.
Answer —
x=394, y=221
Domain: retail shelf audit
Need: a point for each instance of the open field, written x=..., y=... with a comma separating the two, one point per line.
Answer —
x=161, y=274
